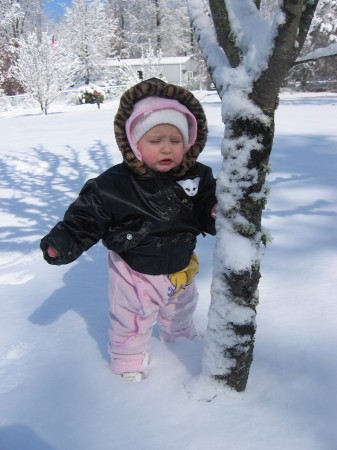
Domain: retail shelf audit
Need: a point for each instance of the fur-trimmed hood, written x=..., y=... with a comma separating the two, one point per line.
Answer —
x=156, y=87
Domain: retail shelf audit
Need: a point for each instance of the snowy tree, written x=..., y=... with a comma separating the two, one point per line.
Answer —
x=164, y=22
x=10, y=13
x=136, y=25
x=248, y=55
x=44, y=69
x=173, y=29
x=116, y=9
x=17, y=18
x=322, y=33
x=10, y=16
x=151, y=63
x=88, y=33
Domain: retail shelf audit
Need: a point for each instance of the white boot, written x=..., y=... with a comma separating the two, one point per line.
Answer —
x=135, y=377
x=132, y=377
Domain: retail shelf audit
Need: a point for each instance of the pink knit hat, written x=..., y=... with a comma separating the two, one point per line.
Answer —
x=152, y=111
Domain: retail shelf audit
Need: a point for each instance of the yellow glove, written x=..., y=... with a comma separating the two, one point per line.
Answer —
x=185, y=276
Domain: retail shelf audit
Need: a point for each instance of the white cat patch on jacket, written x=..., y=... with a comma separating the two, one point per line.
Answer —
x=190, y=186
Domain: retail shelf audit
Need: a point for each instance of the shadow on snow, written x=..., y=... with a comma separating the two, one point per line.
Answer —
x=39, y=186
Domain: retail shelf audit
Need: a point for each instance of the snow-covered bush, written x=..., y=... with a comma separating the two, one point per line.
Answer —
x=90, y=94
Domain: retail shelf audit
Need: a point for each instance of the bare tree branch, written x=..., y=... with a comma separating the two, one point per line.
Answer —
x=326, y=52
x=308, y=12
x=223, y=31
x=258, y=4
x=266, y=87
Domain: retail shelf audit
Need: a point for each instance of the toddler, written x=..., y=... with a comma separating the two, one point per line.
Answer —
x=148, y=211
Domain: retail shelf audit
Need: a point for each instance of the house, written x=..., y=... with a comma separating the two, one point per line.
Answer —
x=177, y=70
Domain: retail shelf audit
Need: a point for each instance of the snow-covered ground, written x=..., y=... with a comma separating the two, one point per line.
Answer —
x=56, y=391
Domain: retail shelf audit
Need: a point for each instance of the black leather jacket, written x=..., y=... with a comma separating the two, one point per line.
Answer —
x=144, y=216
x=149, y=219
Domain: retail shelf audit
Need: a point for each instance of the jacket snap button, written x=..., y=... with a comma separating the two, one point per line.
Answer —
x=129, y=236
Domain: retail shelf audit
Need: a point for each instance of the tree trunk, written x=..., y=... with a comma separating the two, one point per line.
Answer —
x=232, y=335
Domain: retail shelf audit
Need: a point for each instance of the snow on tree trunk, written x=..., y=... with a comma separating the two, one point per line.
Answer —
x=242, y=194
x=248, y=57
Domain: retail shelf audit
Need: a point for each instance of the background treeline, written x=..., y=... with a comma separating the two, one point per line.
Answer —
x=92, y=30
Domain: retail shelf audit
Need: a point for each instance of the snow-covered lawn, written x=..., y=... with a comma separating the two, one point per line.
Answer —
x=56, y=392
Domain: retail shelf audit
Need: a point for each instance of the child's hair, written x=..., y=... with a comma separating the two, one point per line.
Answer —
x=152, y=111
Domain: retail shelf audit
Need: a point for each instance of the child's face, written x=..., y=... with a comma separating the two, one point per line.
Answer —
x=162, y=148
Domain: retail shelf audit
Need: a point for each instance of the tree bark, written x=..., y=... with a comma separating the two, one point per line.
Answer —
x=288, y=44
x=225, y=37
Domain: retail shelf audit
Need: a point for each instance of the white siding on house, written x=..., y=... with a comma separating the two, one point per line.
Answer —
x=177, y=70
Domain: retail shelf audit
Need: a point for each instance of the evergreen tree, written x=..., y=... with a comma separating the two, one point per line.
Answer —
x=17, y=18
x=10, y=15
x=165, y=23
x=172, y=28
x=88, y=34
x=139, y=26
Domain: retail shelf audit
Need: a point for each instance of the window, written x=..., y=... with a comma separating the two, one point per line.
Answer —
x=190, y=75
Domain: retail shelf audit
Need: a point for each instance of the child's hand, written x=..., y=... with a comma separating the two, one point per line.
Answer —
x=213, y=211
x=52, y=252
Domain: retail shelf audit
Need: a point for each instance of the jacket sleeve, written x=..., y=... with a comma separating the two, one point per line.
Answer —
x=205, y=200
x=84, y=223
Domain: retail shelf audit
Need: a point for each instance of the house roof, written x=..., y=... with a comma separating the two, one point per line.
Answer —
x=140, y=61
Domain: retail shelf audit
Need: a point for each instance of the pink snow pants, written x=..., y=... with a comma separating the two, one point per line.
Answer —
x=137, y=302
